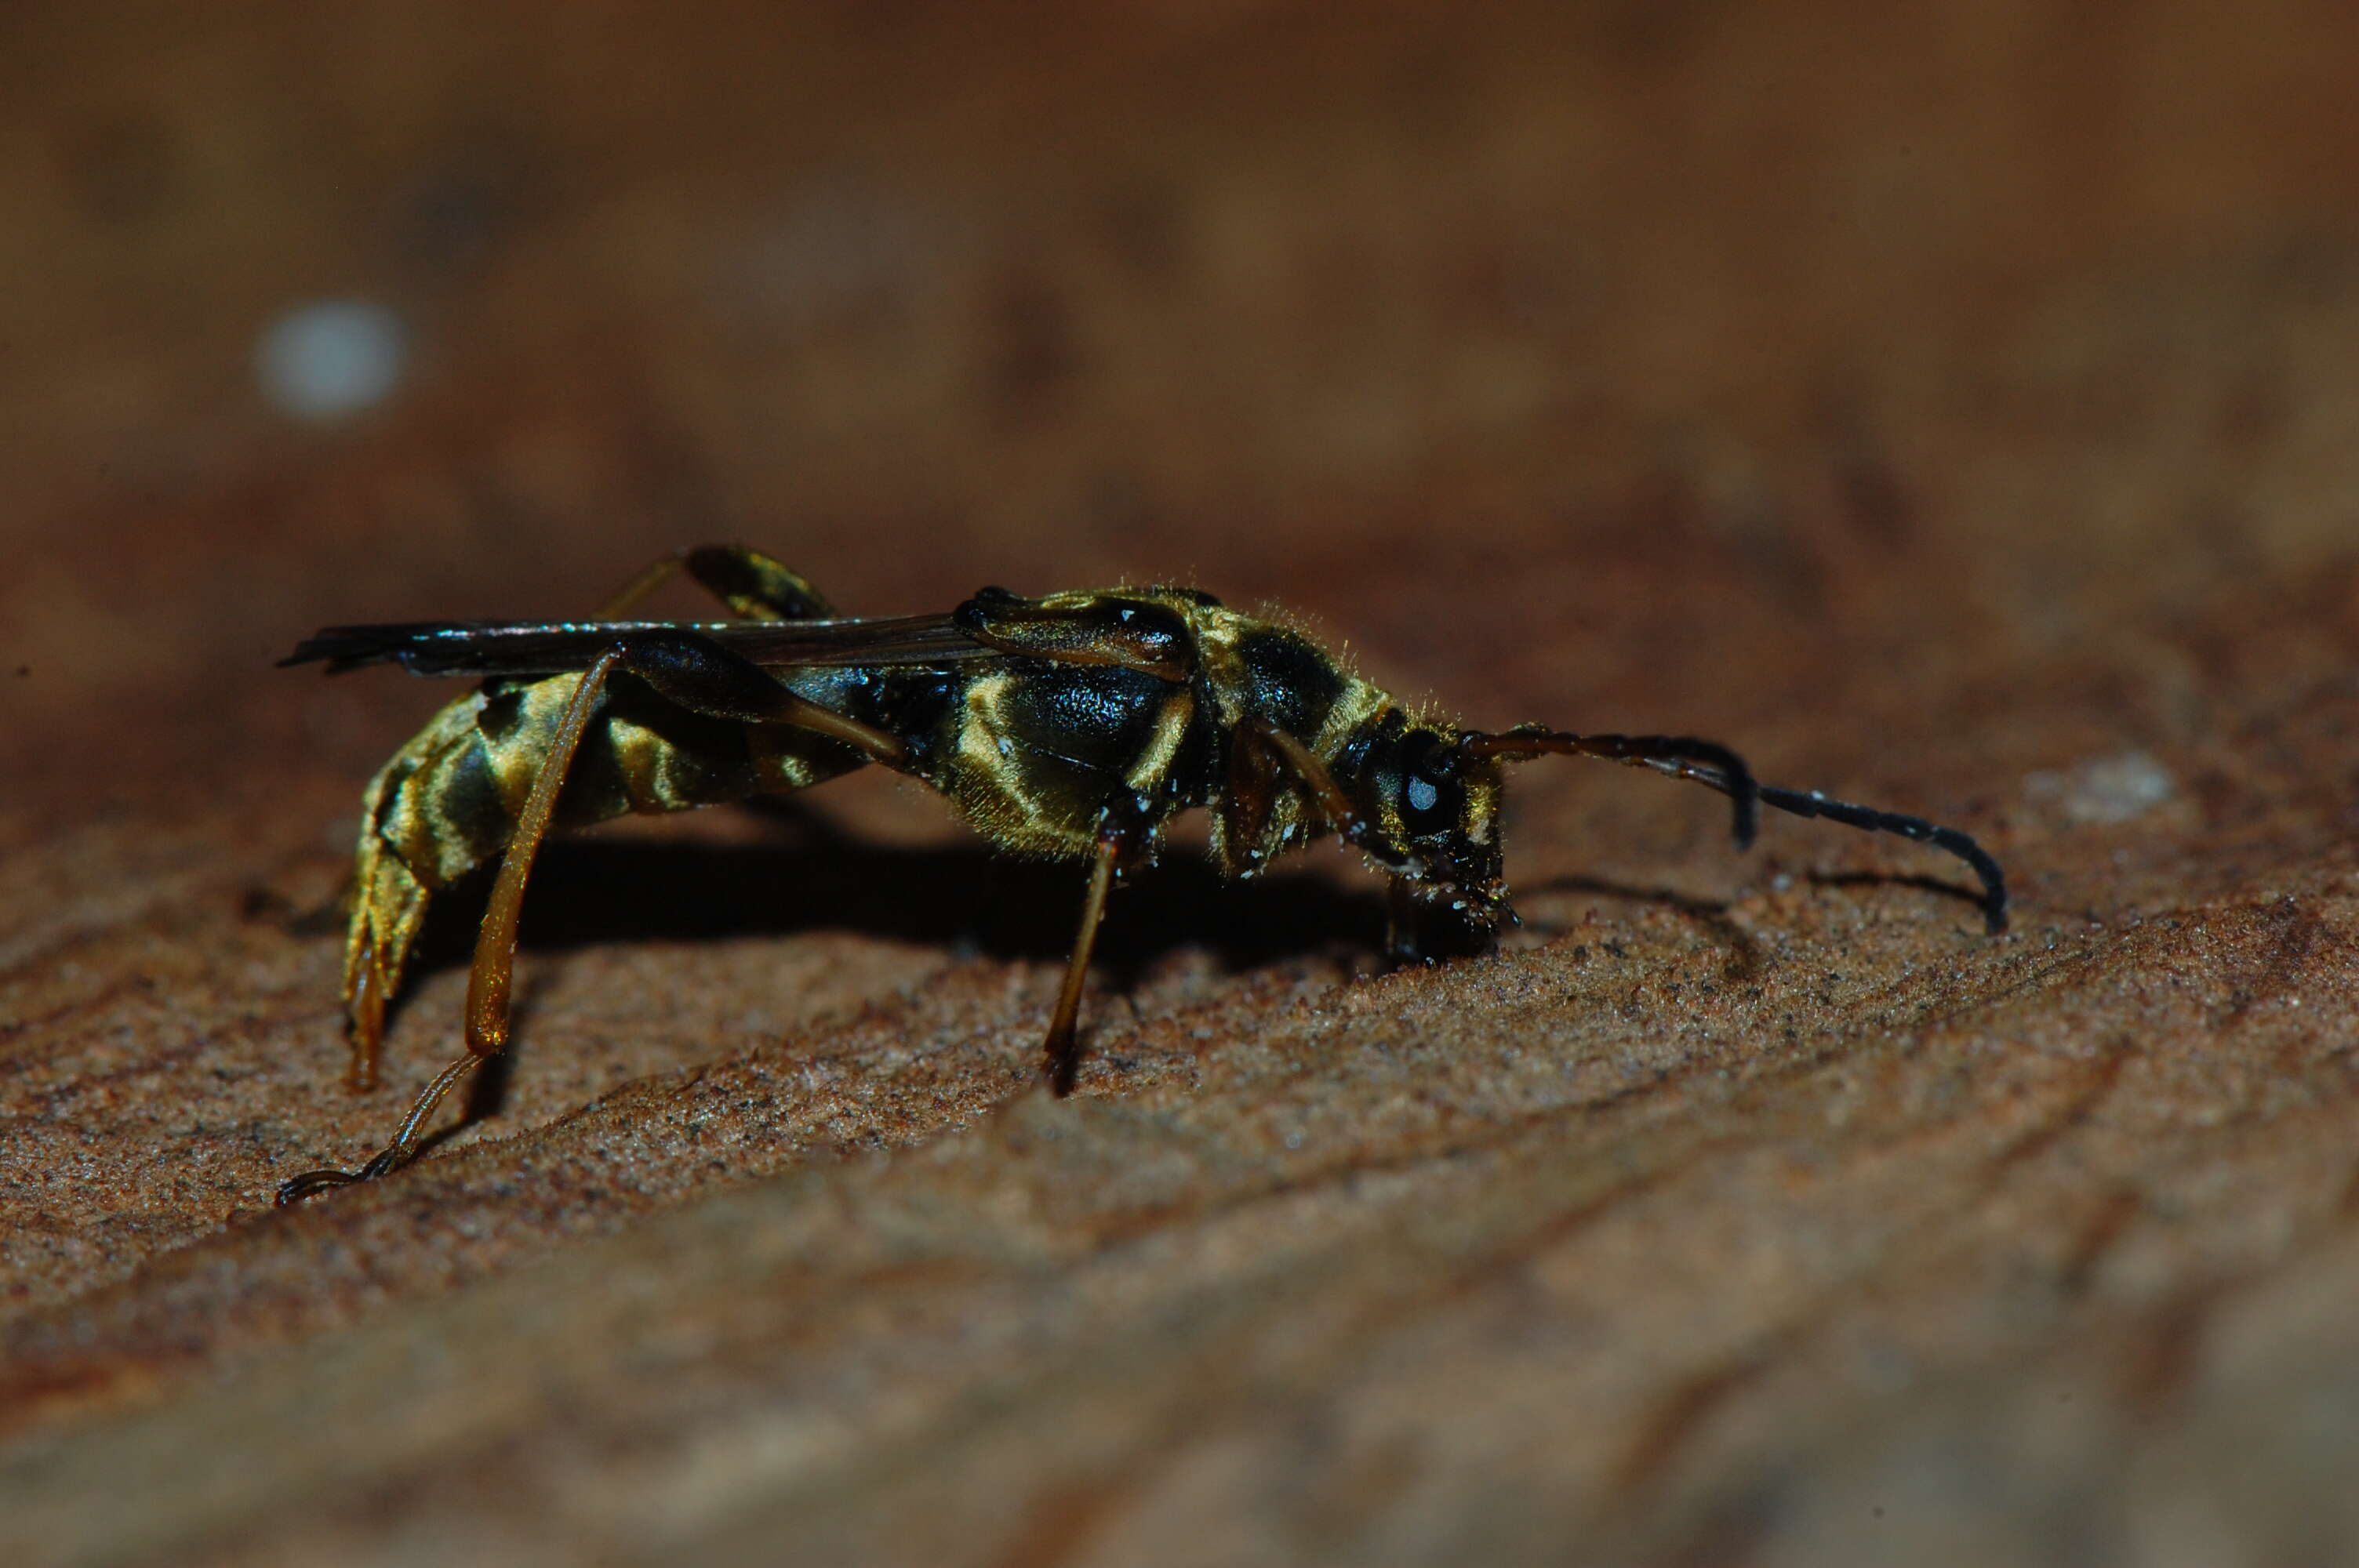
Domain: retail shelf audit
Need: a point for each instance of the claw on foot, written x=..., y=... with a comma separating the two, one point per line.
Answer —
x=312, y=1182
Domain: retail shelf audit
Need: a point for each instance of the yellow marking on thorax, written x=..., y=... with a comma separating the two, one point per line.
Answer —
x=1218, y=632
x=982, y=745
x=1357, y=706
x=1154, y=764
x=988, y=789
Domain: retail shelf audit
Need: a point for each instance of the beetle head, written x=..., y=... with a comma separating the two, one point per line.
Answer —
x=1428, y=812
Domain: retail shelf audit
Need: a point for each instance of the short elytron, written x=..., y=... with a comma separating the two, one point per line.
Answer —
x=1073, y=725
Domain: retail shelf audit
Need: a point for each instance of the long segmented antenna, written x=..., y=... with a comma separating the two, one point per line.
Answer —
x=1680, y=756
x=1716, y=767
x=1869, y=820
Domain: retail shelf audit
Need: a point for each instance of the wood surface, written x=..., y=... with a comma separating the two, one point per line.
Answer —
x=1950, y=406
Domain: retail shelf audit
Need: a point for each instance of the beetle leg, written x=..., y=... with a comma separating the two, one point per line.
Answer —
x=1400, y=921
x=1242, y=811
x=490, y=979
x=364, y=1011
x=753, y=585
x=1061, y=1049
x=694, y=672
x=1334, y=804
x=1121, y=836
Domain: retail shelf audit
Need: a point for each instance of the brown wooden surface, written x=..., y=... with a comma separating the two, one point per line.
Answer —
x=1950, y=406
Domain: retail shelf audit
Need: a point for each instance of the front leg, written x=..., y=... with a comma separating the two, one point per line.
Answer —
x=1261, y=756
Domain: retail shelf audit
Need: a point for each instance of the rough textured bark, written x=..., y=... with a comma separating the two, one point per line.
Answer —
x=1952, y=411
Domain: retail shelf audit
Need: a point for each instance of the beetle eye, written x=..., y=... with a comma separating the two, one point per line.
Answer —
x=1431, y=802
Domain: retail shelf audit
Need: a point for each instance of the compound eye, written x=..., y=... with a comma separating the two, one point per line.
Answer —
x=1430, y=801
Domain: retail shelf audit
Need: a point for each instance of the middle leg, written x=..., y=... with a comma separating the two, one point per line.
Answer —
x=1120, y=838
x=753, y=585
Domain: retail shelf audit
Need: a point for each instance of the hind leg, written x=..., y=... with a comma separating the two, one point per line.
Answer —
x=702, y=677
x=753, y=585
x=488, y=981
x=406, y=854
x=388, y=907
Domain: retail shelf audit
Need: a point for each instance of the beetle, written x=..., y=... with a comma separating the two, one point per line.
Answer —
x=1074, y=725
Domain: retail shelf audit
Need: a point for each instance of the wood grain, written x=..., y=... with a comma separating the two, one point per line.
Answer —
x=1948, y=408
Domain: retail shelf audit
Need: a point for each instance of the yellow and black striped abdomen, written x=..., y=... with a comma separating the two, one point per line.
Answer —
x=448, y=800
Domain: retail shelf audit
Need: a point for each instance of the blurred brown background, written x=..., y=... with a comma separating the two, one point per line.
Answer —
x=1952, y=406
